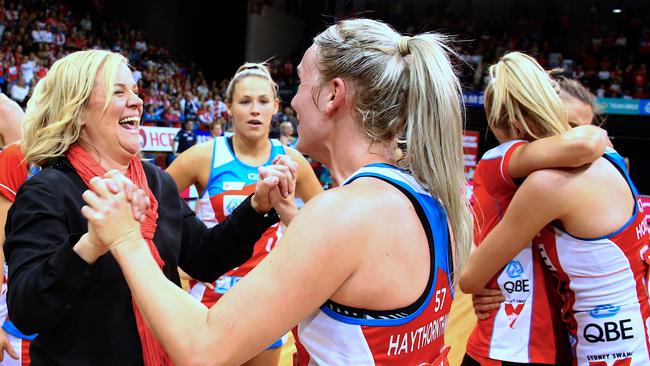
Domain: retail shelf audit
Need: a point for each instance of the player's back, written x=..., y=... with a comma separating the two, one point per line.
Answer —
x=600, y=254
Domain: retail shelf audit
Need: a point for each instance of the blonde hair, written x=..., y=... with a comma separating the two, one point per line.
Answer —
x=522, y=96
x=249, y=69
x=53, y=117
x=407, y=86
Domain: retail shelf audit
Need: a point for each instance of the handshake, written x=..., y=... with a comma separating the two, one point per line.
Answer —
x=116, y=207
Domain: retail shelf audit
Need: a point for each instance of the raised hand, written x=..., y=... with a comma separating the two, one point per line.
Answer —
x=110, y=215
x=277, y=182
x=286, y=161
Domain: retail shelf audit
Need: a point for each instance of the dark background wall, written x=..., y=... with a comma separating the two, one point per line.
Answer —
x=212, y=34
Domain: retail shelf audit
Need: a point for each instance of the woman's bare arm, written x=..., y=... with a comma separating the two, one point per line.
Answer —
x=240, y=324
x=538, y=201
x=574, y=148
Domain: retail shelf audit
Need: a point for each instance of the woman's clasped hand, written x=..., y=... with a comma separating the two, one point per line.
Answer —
x=115, y=206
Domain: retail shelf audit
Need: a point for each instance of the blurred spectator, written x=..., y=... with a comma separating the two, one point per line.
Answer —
x=205, y=116
x=37, y=33
x=137, y=75
x=216, y=129
x=41, y=70
x=141, y=45
x=221, y=110
x=12, y=73
x=189, y=106
x=150, y=115
x=86, y=24
x=59, y=36
x=46, y=34
x=27, y=68
x=185, y=138
x=172, y=116
x=290, y=116
x=203, y=88
x=19, y=92
x=286, y=134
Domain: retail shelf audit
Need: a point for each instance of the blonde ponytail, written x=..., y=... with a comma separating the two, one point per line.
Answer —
x=407, y=86
x=434, y=134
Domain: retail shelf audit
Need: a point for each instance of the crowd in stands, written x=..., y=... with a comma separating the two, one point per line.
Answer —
x=611, y=64
x=612, y=61
x=610, y=58
x=35, y=34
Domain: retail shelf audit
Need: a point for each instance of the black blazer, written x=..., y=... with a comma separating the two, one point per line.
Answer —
x=83, y=313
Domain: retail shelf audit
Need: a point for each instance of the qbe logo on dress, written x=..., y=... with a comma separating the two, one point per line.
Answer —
x=516, y=288
x=604, y=329
x=514, y=269
x=515, y=282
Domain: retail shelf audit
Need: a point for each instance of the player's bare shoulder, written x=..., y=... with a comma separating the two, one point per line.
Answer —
x=365, y=201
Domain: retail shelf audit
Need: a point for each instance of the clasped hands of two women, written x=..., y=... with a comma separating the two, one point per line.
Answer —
x=115, y=207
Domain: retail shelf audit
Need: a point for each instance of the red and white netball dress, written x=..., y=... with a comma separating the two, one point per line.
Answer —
x=13, y=173
x=604, y=287
x=230, y=182
x=340, y=335
x=527, y=327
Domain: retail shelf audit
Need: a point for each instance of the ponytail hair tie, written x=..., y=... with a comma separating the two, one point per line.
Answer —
x=404, y=45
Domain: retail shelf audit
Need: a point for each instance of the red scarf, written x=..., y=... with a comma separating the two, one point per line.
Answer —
x=87, y=167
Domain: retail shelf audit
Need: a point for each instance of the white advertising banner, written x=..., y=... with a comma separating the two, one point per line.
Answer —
x=157, y=138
